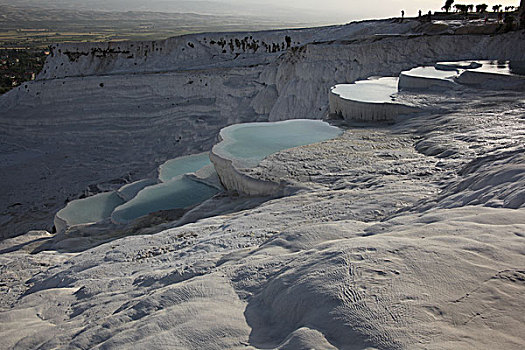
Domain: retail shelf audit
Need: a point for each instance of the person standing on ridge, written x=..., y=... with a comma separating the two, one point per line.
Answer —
x=402, y=15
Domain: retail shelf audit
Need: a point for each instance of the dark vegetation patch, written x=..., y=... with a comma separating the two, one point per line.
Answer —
x=19, y=65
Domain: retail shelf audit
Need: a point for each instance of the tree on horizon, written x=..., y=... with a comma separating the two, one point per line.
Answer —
x=481, y=8
x=448, y=5
x=462, y=8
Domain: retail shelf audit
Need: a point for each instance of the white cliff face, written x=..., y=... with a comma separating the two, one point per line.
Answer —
x=198, y=51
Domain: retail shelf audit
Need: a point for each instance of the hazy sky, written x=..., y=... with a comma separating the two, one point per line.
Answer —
x=376, y=8
x=320, y=11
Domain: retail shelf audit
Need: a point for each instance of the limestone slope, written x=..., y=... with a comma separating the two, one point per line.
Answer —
x=403, y=236
x=391, y=245
x=97, y=121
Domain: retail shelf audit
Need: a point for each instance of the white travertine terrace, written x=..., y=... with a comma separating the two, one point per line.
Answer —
x=457, y=65
x=245, y=145
x=506, y=75
x=368, y=100
x=374, y=99
x=495, y=75
x=422, y=78
x=184, y=182
x=87, y=210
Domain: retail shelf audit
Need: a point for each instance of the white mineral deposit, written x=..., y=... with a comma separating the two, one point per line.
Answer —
x=347, y=233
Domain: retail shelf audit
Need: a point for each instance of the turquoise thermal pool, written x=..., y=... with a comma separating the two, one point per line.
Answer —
x=371, y=90
x=183, y=165
x=145, y=196
x=178, y=193
x=250, y=143
x=91, y=209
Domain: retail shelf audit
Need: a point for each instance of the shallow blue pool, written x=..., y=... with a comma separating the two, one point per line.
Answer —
x=250, y=143
x=371, y=90
x=178, y=193
x=91, y=209
x=183, y=165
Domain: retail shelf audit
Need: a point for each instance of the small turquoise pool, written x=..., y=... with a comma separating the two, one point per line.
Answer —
x=178, y=193
x=183, y=165
x=91, y=209
x=372, y=90
x=250, y=143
